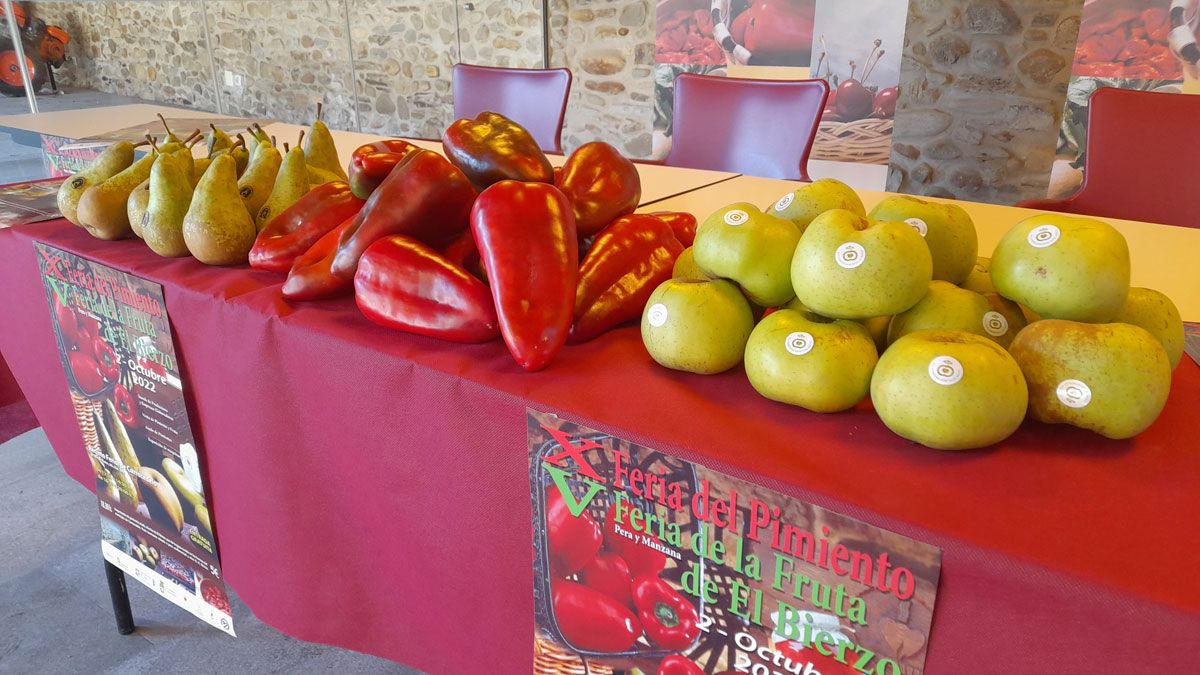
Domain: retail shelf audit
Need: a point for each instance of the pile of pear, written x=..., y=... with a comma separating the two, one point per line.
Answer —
x=210, y=207
x=827, y=305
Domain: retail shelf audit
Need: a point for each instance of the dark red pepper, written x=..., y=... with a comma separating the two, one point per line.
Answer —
x=403, y=284
x=592, y=621
x=628, y=260
x=106, y=358
x=86, y=372
x=642, y=560
x=526, y=238
x=683, y=224
x=670, y=619
x=464, y=253
x=601, y=185
x=492, y=148
x=573, y=540
x=125, y=404
x=424, y=197
x=609, y=574
x=676, y=664
x=370, y=164
x=310, y=277
x=299, y=226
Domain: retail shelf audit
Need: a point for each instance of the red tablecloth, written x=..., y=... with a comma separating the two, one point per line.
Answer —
x=370, y=488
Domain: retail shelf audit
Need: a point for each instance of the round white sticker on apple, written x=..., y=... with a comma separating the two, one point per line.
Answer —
x=799, y=343
x=850, y=255
x=657, y=314
x=918, y=225
x=945, y=370
x=785, y=201
x=736, y=217
x=1074, y=394
x=1043, y=236
x=995, y=324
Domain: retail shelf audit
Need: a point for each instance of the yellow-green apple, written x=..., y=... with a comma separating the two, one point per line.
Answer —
x=698, y=326
x=1064, y=267
x=1156, y=313
x=949, y=390
x=820, y=364
x=849, y=267
x=686, y=268
x=804, y=204
x=949, y=307
x=877, y=326
x=750, y=247
x=1110, y=378
x=947, y=229
x=980, y=278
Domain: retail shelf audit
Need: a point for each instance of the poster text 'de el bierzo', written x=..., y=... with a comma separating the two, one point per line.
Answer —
x=645, y=561
x=115, y=342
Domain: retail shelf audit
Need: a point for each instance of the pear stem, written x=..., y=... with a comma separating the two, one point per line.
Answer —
x=164, y=123
x=319, y=103
x=192, y=136
x=285, y=147
x=237, y=144
x=300, y=140
x=272, y=141
x=141, y=143
x=152, y=142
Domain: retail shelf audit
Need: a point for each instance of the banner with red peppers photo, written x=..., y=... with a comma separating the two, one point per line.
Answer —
x=114, y=338
x=648, y=564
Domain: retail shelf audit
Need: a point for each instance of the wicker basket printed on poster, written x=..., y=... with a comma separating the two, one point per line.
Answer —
x=867, y=141
x=550, y=658
x=86, y=410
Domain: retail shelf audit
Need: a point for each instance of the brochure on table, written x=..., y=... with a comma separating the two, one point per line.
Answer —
x=646, y=561
x=32, y=202
x=114, y=338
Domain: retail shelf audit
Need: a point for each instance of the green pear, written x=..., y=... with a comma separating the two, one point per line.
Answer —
x=819, y=364
x=980, y=278
x=187, y=161
x=804, y=204
x=1156, y=313
x=171, y=137
x=686, y=267
x=949, y=390
x=1064, y=267
x=320, y=151
x=103, y=210
x=949, y=307
x=115, y=158
x=170, y=199
x=318, y=176
x=200, y=166
x=697, y=326
x=741, y=243
x=135, y=206
x=258, y=179
x=1110, y=378
x=291, y=183
x=848, y=267
x=217, y=140
x=241, y=156
x=217, y=229
x=948, y=231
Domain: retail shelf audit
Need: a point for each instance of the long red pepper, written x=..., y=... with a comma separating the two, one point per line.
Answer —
x=298, y=227
x=310, y=277
x=492, y=148
x=370, y=164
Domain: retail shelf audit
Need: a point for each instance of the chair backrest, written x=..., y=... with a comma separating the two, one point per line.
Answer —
x=757, y=127
x=535, y=99
x=1143, y=157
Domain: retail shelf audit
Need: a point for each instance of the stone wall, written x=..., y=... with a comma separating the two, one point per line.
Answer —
x=981, y=94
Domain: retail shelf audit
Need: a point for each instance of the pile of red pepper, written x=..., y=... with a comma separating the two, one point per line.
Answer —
x=686, y=36
x=481, y=243
x=606, y=592
x=1128, y=43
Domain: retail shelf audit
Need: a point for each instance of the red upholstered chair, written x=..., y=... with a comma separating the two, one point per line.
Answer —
x=1143, y=157
x=757, y=127
x=536, y=99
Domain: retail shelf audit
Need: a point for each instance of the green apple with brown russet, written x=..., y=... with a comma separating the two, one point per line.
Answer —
x=949, y=307
x=752, y=248
x=849, y=267
x=1156, y=313
x=948, y=231
x=980, y=278
x=686, y=268
x=697, y=326
x=819, y=364
x=1111, y=378
x=804, y=204
x=949, y=390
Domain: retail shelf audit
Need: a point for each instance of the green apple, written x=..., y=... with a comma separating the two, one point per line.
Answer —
x=1064, y=267
x=980, y=278
x=698, y=326
x=848, y=267
x=949, y=307
x=947, y=229
x=804, y=204
x=686, y=268
x=1110, y=378
x=949, y=390
x=741, y=243
x=819, y=364
x=878, y=326
x=1156, y=313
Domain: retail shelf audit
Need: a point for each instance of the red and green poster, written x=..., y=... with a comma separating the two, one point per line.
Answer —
x=114, y=338
x=646, y=563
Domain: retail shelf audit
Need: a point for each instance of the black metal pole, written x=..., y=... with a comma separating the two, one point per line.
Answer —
x=120, y=598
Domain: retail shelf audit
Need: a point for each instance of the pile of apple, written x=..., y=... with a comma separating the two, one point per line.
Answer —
x=826, y=304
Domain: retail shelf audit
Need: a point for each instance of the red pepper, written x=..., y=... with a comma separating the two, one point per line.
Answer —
x=463, y=252
x=628, y=260
x=424, y=197
x=403, y=284
x=676, y=664
x=310, y=277
x=370, y=164
x=106, y=358
x=492, y=148
x=86, y=372
x=299, y=226
x=88, y=331
x=125, y=404
x=609, y=574
x=526, y=238
x=682, y=224
x=68, y=322
x=670, y=620
x=573, y=540
x=642, y=560
x=592, y=621
x=601, y=186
